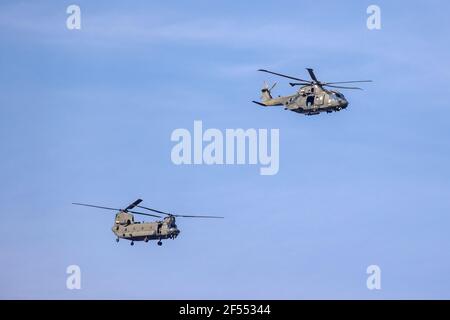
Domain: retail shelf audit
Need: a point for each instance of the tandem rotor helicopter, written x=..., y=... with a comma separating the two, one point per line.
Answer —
x=312, y=97
x=126, y=228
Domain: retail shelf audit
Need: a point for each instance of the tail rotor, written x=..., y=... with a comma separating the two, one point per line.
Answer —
x=266, y=91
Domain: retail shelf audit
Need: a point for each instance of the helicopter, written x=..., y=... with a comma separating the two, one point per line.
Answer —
x=312, y=98
x=126, y=228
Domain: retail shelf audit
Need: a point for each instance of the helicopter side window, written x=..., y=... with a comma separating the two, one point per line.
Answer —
x=312, y=90
x=332, y=97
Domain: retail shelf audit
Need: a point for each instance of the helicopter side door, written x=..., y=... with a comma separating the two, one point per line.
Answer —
x=158, y=228
x=310, y=101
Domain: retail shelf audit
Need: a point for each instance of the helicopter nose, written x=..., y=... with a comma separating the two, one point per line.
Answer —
x=343, y=103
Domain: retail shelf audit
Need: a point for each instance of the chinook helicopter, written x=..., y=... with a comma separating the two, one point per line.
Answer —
x=312, y=98
x=126, y=228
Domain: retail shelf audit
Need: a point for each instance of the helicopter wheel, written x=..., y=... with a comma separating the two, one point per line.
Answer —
x=159, y=243
x=132, y=243
x=117, y=240
x=146, y=239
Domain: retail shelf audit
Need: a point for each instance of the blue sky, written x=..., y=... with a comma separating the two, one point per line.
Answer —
x=87, y=116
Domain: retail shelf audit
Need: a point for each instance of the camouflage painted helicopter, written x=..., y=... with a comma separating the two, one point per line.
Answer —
x=312, y=97
x=126, y=228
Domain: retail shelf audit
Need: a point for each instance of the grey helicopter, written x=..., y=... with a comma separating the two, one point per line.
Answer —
x=312, y=98
x=125, y=227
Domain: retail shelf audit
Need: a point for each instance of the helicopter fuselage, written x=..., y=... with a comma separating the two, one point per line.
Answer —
x=313, y=97
x=126, y=228
x=314, y=100
x=310, y=100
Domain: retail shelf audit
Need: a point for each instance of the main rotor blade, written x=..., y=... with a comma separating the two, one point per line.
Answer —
x=356, y=81
x=90, y=205
x=312, y=75
x=134, y=204
x=178, y=215
x=340, y=87
x=292, y=84
x=283, y=75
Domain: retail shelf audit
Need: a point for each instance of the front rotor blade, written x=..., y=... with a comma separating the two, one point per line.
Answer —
x=356, y=81
x=154, y=210
x=134, y=204
x=283, y=75
x=145, y=214
x=90, y=205
x=340, y=87
x=311, y=74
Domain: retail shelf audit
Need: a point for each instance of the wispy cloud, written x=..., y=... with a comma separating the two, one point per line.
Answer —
x=286, y=40
x=112, y=28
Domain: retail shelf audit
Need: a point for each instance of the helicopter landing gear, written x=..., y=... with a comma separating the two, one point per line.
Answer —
x=159, y=243
x=132, y=243
x=146, y=239
x=117, y=240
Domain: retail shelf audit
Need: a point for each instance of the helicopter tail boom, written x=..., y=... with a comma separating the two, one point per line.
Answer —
x=266, y=96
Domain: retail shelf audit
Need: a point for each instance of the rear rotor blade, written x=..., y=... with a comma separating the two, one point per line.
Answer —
x=178, y=215
x=283, y=75
x=183, y=216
